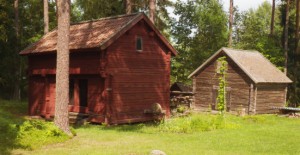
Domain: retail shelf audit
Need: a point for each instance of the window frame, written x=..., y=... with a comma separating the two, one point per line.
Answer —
x=139, y=38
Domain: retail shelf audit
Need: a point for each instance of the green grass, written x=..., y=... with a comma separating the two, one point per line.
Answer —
x=206, y=134
x=17, y=131
x=196, y=134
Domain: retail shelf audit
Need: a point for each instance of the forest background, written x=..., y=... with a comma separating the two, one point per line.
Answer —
x=200, y=28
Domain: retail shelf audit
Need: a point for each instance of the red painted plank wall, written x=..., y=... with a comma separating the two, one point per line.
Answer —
x=138, y=78
x=80, y=63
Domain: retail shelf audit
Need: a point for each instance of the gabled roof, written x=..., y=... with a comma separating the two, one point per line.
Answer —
x=253, y=63
x=178, y=86
x=95, y=34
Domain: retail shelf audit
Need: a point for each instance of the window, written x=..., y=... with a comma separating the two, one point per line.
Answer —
x=139, y=44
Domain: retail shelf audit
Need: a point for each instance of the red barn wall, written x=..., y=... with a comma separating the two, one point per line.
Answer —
x=42, y=83
x=138, y=79
x=80, y=63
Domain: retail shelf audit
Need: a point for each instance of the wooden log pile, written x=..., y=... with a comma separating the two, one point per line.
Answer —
x=181, y=103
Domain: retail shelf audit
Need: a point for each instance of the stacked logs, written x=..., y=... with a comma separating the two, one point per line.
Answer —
x=181, y=104
x=181, y=100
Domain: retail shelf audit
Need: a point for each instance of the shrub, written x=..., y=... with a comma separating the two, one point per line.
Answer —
x=35, y=133
x=195, y=123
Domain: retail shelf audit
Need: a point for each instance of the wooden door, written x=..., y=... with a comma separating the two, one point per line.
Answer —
x=214, y=103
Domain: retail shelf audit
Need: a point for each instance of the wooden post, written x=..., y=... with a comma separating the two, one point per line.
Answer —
x=194, y=92
x=108, y=102
x=251, y=99
x=255, y=99
x=76, y=93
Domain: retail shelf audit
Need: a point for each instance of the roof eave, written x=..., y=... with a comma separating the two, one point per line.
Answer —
x=205, y=63
x=162, y=37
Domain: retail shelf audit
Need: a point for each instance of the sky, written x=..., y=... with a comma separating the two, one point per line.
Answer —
x=244, y=5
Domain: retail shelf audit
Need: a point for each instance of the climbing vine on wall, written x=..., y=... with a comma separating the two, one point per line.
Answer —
x=222, y=68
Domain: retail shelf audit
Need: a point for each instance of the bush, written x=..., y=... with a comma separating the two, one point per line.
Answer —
x=195, y=123
x=35, y=133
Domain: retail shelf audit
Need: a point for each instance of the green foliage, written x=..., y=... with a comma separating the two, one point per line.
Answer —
x=222, y=84
x=181, y=109
x=95, y=9
x=201, y=29
x=17, y=132
x=259, y=134
x=36, y=133
x=253, y=33
x=196, y=123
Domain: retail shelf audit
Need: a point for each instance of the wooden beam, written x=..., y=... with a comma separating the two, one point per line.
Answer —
x=255, y=99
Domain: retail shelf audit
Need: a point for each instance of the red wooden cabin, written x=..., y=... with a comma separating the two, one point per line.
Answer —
x=119, y=67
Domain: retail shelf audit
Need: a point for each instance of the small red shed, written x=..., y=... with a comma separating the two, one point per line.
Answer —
x=253, y=82
x=119, y=67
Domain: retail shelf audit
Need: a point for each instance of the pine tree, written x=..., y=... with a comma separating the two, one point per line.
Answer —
x=62, y=66
x=152, y=10
x=46, y=17
x=230, y=23
x=286, y=35
x=272, y=19
x=128, y=6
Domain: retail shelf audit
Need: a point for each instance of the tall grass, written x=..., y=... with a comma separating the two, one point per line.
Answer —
x=197, y=123
x=18, y=132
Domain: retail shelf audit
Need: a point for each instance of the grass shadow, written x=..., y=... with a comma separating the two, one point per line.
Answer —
x=143, y=127
x=11, y=117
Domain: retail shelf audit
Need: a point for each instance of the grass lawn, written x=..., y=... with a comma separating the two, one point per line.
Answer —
x=197, y=134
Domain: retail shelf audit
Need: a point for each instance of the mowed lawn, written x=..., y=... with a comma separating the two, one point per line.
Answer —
x=266, y=134
x=193, y=135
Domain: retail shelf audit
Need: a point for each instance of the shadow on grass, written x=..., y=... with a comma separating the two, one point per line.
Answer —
x=11, y=117
x=132, y=127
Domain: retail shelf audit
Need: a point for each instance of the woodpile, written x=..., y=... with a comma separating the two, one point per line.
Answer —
x=182, y=100
x=181, y=104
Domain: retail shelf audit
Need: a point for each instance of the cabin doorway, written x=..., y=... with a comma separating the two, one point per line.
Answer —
x=214, y=103
x=78, y=93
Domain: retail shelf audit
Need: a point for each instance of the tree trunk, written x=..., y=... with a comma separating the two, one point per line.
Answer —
x=286, y=35
x=296, y=53
x=46, y=17
x=272, y=19
x=230, y=23
x=16, y=8
x=128, y=6
x=152, y=7
x=62, y=67
x=297, y=27
x=17, y=91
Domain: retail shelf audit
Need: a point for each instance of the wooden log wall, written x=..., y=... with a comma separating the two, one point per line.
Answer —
x=268, y=96
x=139, y=78
x=237, y=81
